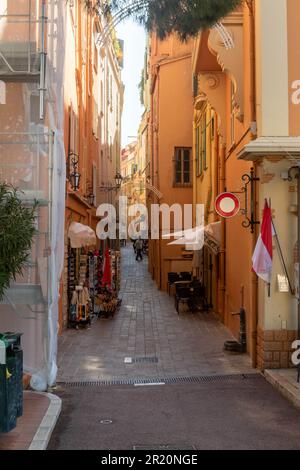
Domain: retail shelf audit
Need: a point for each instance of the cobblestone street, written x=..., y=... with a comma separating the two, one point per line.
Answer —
x=147, y=328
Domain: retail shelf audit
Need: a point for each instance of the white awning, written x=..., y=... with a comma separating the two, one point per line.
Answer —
x=81, y=235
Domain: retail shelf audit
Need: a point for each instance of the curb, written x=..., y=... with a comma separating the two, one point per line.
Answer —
x=284, y=386
x=44, y=432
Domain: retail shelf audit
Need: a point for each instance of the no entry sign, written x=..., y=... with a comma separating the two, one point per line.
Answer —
x=227, y=205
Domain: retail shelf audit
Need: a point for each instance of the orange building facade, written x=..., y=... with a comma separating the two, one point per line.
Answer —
x=169, y=176
x=61, y=99
x=93, y=107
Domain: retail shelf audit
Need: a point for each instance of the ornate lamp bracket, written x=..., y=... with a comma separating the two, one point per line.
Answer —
x=248, y=211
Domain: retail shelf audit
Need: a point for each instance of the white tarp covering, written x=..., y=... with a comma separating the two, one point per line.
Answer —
x=46, y=376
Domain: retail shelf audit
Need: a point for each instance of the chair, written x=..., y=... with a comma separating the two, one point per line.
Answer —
x=183, y=295
x=172, y=278
x=185, y=276
x=197, y=295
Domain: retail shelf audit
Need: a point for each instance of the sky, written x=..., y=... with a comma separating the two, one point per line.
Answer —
x=134, y=37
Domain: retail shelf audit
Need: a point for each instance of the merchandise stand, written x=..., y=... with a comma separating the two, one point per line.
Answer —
x=86, y=293
x=78, y=289
x=106, y=299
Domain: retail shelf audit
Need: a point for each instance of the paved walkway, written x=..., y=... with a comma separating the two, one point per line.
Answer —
x=20, y=438
x=147, y=326
x=220, y=414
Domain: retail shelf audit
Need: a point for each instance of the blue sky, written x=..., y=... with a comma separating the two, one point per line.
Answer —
x=134, y=37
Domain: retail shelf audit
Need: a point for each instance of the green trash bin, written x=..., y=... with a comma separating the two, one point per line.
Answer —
x=11, y=380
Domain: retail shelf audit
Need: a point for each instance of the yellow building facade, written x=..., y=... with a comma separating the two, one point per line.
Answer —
x=246, y=128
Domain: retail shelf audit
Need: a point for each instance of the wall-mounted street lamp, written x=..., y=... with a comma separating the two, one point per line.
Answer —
x=117, y=187
x=74, y=175
x=91, y=199
x=118, y=180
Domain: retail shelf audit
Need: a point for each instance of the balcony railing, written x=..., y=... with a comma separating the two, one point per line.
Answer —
x=22, y=34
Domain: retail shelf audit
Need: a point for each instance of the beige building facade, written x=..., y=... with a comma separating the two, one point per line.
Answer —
x=246, y=138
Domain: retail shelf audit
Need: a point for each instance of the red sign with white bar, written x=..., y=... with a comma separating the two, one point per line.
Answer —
x=227, y=205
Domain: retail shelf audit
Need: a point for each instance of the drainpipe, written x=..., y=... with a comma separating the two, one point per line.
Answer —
x=254, y=296
x=254, y=293
x=223, y=232
x=43, y=56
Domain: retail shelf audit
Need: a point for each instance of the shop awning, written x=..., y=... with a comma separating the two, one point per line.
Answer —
x=81, y=235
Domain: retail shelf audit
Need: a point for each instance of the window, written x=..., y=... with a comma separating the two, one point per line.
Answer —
x=107, y=87
x=94, y=170
x=201, y=146
x=95, y=58
x=212, y=129
x=96, y=52
x=203, y=165
x=182, y=166
x=73, y=131
x=95, y=118
x=197, y=150
x=111, y=93
x=73, y=142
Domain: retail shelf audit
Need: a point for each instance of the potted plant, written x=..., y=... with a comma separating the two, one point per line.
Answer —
x=17, y=229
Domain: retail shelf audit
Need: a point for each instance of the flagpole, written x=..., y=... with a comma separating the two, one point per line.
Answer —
x=269, y=285
x=282, y=258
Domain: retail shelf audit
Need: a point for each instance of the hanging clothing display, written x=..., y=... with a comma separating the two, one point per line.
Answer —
x=93, y=284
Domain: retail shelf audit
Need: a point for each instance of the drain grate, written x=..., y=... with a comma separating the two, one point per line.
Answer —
x=181, y=446
x=145, y=359
x=166, y=380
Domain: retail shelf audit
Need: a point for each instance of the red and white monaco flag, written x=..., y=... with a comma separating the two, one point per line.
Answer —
x=263, y=255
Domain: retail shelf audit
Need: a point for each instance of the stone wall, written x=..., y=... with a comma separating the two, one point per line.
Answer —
x=274, y=349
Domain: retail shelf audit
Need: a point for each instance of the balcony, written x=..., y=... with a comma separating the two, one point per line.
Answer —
x=22, y=33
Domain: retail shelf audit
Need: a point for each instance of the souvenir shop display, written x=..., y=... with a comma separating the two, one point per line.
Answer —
x=115, y=270
x=107, y=301
x=93, y=285
x=80, y=307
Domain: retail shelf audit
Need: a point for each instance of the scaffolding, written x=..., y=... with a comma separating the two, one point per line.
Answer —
x=26, y=163
x=22, y=39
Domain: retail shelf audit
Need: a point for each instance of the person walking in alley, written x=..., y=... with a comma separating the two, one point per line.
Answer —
x=139, y=249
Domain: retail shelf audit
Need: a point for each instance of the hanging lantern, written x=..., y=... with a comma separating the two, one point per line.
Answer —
x=74, y=176
x=118, y=179
x=91, y=199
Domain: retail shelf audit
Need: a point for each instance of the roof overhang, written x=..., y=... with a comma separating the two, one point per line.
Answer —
x=271, y=146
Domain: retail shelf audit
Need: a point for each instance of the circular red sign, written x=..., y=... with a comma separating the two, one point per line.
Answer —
x=227, y=205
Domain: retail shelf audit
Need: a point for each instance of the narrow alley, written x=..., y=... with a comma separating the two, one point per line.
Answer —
x=147, y=330
x=192, y=396
x=149, y=226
